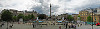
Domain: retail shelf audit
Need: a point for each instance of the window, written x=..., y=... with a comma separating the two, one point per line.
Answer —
x=79, y=14
x=86, y=14
x=82, y=14
x=90, y=14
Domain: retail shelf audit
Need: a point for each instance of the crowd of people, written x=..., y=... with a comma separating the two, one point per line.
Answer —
x=68, y=25
x=71, y=25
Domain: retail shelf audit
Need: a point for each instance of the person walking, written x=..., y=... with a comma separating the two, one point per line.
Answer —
x=66, y=26
x=11, y=26
x=74, y=26
x=1, y=24
x=78, y=25
x=59, y=27
x=33, y=25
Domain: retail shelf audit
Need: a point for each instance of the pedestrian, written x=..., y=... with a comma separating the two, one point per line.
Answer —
x=66, y=25
x=33, y=25
x=11, y=26
x=74, y=26
x=78, y=25
x=1, y=24
x=59, y=27
x=69, y=26
x=81, y=24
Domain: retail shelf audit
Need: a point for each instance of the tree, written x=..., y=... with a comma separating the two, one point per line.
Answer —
x=32, y=16
x=15, y=18
x=42, y=16
x=79, y=17
x=70, y=18
x=20, y=16
x=29, y=17
x=25, y=18
x=89, y=19
x=6, y=16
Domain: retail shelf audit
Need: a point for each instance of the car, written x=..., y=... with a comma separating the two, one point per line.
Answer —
x=98, y=24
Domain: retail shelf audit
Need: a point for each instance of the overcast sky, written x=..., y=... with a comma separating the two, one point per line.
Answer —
x=42, y=6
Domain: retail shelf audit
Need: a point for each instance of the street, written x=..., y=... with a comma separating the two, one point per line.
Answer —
x=88, y=27
x=29, y=26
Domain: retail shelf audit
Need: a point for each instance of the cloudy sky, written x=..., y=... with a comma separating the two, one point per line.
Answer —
x=43, y=6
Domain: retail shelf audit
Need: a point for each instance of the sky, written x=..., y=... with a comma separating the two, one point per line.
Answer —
x=43, y=6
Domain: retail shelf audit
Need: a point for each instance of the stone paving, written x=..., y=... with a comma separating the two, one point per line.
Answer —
x=29, y=26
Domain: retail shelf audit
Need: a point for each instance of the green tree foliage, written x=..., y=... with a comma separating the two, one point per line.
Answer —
x=6, y=15
x=32, y=16
x=29, y=17
x=89, y=19
x=20, y=16
x=42, y=16
x=25, y=18
x=70, y=18
x=79, y=17
x=15, y=18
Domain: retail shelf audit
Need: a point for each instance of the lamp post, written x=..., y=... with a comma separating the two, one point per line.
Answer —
x=92, y=17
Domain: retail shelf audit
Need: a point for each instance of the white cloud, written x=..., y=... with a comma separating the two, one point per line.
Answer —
x=18, y=4
x=73, y=6
x=42, y=6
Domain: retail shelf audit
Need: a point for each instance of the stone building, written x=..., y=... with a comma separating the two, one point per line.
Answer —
x=85, y=13
x=31, y=12
x=16, y=12
x=62, y=15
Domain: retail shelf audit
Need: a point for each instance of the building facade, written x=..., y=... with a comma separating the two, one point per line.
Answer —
x=16, y=13
x=31, y=12
x=62, y=15
x=85, y=13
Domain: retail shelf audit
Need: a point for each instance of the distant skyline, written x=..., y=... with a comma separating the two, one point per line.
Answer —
x=43, y=6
